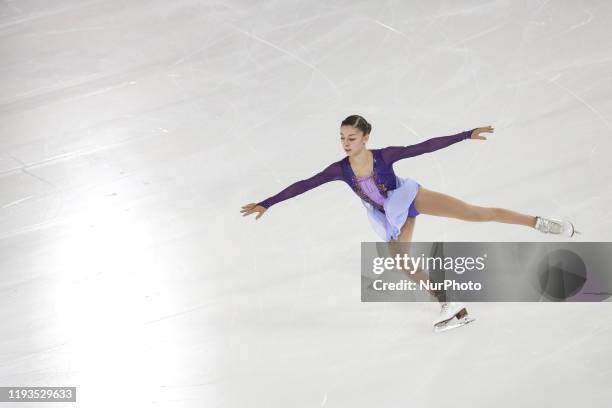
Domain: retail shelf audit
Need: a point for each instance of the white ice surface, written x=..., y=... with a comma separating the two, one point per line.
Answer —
x=133, y=131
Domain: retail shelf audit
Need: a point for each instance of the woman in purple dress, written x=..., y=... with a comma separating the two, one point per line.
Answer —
x=393, y=203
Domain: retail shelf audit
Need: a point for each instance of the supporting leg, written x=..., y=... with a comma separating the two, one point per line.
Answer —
x=401, y=246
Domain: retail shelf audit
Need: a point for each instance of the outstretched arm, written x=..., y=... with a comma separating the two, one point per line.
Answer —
x=330, y=173
x=392, y=154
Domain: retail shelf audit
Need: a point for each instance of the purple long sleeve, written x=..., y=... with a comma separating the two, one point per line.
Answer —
x=392, y=154
x=330, y=173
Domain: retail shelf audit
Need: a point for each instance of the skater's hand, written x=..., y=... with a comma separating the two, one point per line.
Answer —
x=476, y=132
x=251, y=208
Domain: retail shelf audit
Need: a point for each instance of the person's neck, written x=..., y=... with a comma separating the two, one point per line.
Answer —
x=361, y=158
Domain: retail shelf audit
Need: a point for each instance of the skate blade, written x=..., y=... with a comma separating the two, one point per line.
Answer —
x=442, y=327
x=451, y=318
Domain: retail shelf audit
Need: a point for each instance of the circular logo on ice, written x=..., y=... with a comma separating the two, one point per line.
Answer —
x=561, y=274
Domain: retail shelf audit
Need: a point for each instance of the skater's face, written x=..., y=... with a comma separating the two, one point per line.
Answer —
x=353, y=140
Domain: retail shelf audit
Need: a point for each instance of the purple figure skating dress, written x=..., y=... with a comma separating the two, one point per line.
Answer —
x=388, y=199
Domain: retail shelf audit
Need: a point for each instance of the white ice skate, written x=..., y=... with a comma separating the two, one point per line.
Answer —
x=448, y=312
x=554, y=226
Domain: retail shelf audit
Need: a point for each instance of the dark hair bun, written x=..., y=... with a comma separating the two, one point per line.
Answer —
x=359, y=122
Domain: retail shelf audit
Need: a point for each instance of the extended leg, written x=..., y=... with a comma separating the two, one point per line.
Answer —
x=434, y=203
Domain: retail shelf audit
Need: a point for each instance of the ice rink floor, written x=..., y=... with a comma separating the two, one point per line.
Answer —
x=133, y=131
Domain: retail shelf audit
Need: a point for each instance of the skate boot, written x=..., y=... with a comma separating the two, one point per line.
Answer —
x=554, y=226
x=450, y=310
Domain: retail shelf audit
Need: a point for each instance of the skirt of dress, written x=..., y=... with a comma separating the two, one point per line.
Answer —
x=398, y=206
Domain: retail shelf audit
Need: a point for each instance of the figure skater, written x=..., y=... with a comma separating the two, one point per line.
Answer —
x=392, y=203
